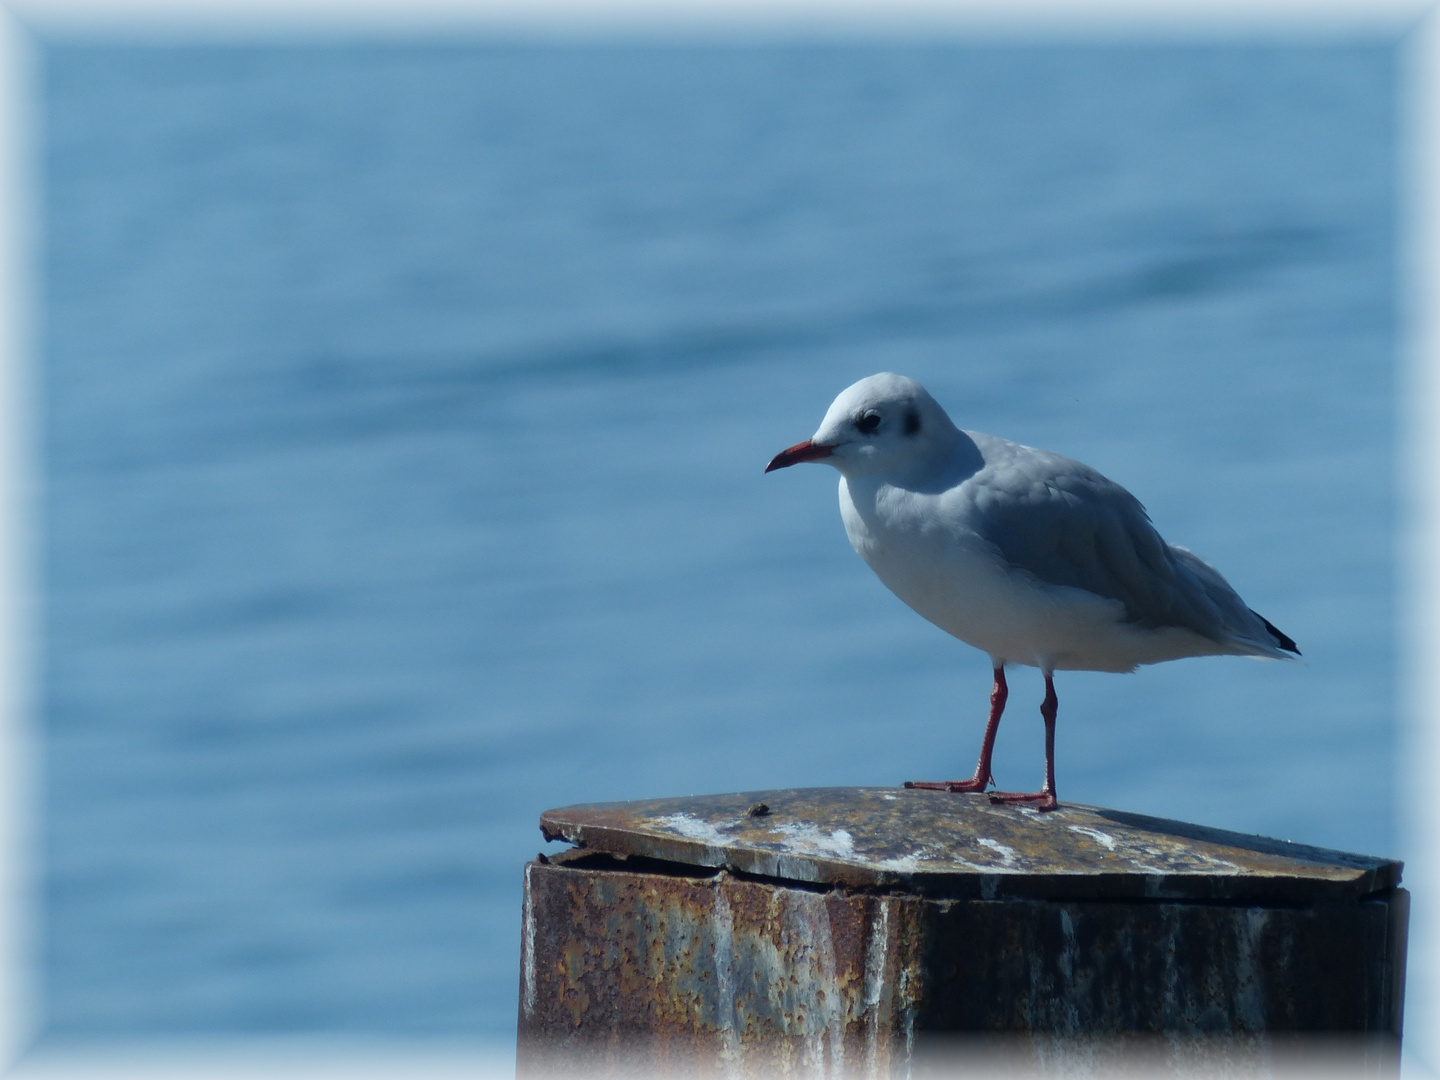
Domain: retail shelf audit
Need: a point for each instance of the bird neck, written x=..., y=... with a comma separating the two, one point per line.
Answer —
x=953, y=458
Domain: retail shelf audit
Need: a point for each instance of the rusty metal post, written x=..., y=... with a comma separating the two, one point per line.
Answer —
x=881, y=932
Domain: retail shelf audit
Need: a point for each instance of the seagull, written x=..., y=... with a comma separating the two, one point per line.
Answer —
x=1031, y=557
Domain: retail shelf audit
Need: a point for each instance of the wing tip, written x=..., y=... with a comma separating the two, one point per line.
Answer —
x=1282, y=639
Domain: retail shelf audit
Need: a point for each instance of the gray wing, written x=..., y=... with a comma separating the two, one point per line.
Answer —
x=1066, y=524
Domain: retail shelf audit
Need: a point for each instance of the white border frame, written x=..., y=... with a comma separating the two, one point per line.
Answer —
x=1418, y=411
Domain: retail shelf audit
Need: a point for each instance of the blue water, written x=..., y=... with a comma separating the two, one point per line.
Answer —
x=404, y=417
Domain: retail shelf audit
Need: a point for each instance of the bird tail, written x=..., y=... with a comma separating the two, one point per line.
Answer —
x=1249, y=632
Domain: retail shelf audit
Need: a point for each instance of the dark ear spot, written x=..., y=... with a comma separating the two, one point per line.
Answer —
x=912, y=422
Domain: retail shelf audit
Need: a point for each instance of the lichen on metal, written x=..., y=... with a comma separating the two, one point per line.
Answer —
x=937, y=843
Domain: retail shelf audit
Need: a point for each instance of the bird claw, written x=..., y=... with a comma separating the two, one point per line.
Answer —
x=1039, y=800
x=947, y=785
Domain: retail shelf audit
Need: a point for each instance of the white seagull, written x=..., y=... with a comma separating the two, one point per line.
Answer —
x=1029, y=556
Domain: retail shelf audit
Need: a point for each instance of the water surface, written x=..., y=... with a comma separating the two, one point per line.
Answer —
x=405, y=411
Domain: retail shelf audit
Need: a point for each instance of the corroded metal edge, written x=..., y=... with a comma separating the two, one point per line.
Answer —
x=962, y=846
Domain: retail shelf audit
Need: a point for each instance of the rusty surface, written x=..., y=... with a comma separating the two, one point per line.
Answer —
x=961, y=846
x=878, y=932
x=624, y=971
x=633, y=966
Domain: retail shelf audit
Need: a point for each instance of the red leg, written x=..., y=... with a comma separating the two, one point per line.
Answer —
x=982, y=778
x=1044, y=799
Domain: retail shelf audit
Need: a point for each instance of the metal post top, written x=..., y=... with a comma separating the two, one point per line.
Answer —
x=956, y=845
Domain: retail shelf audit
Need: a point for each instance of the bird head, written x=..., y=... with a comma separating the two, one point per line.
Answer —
x=885, y=424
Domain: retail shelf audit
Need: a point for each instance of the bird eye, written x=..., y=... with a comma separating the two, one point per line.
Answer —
x=868, y=423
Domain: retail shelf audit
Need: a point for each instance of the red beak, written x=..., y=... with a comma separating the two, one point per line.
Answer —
x=805, y=451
